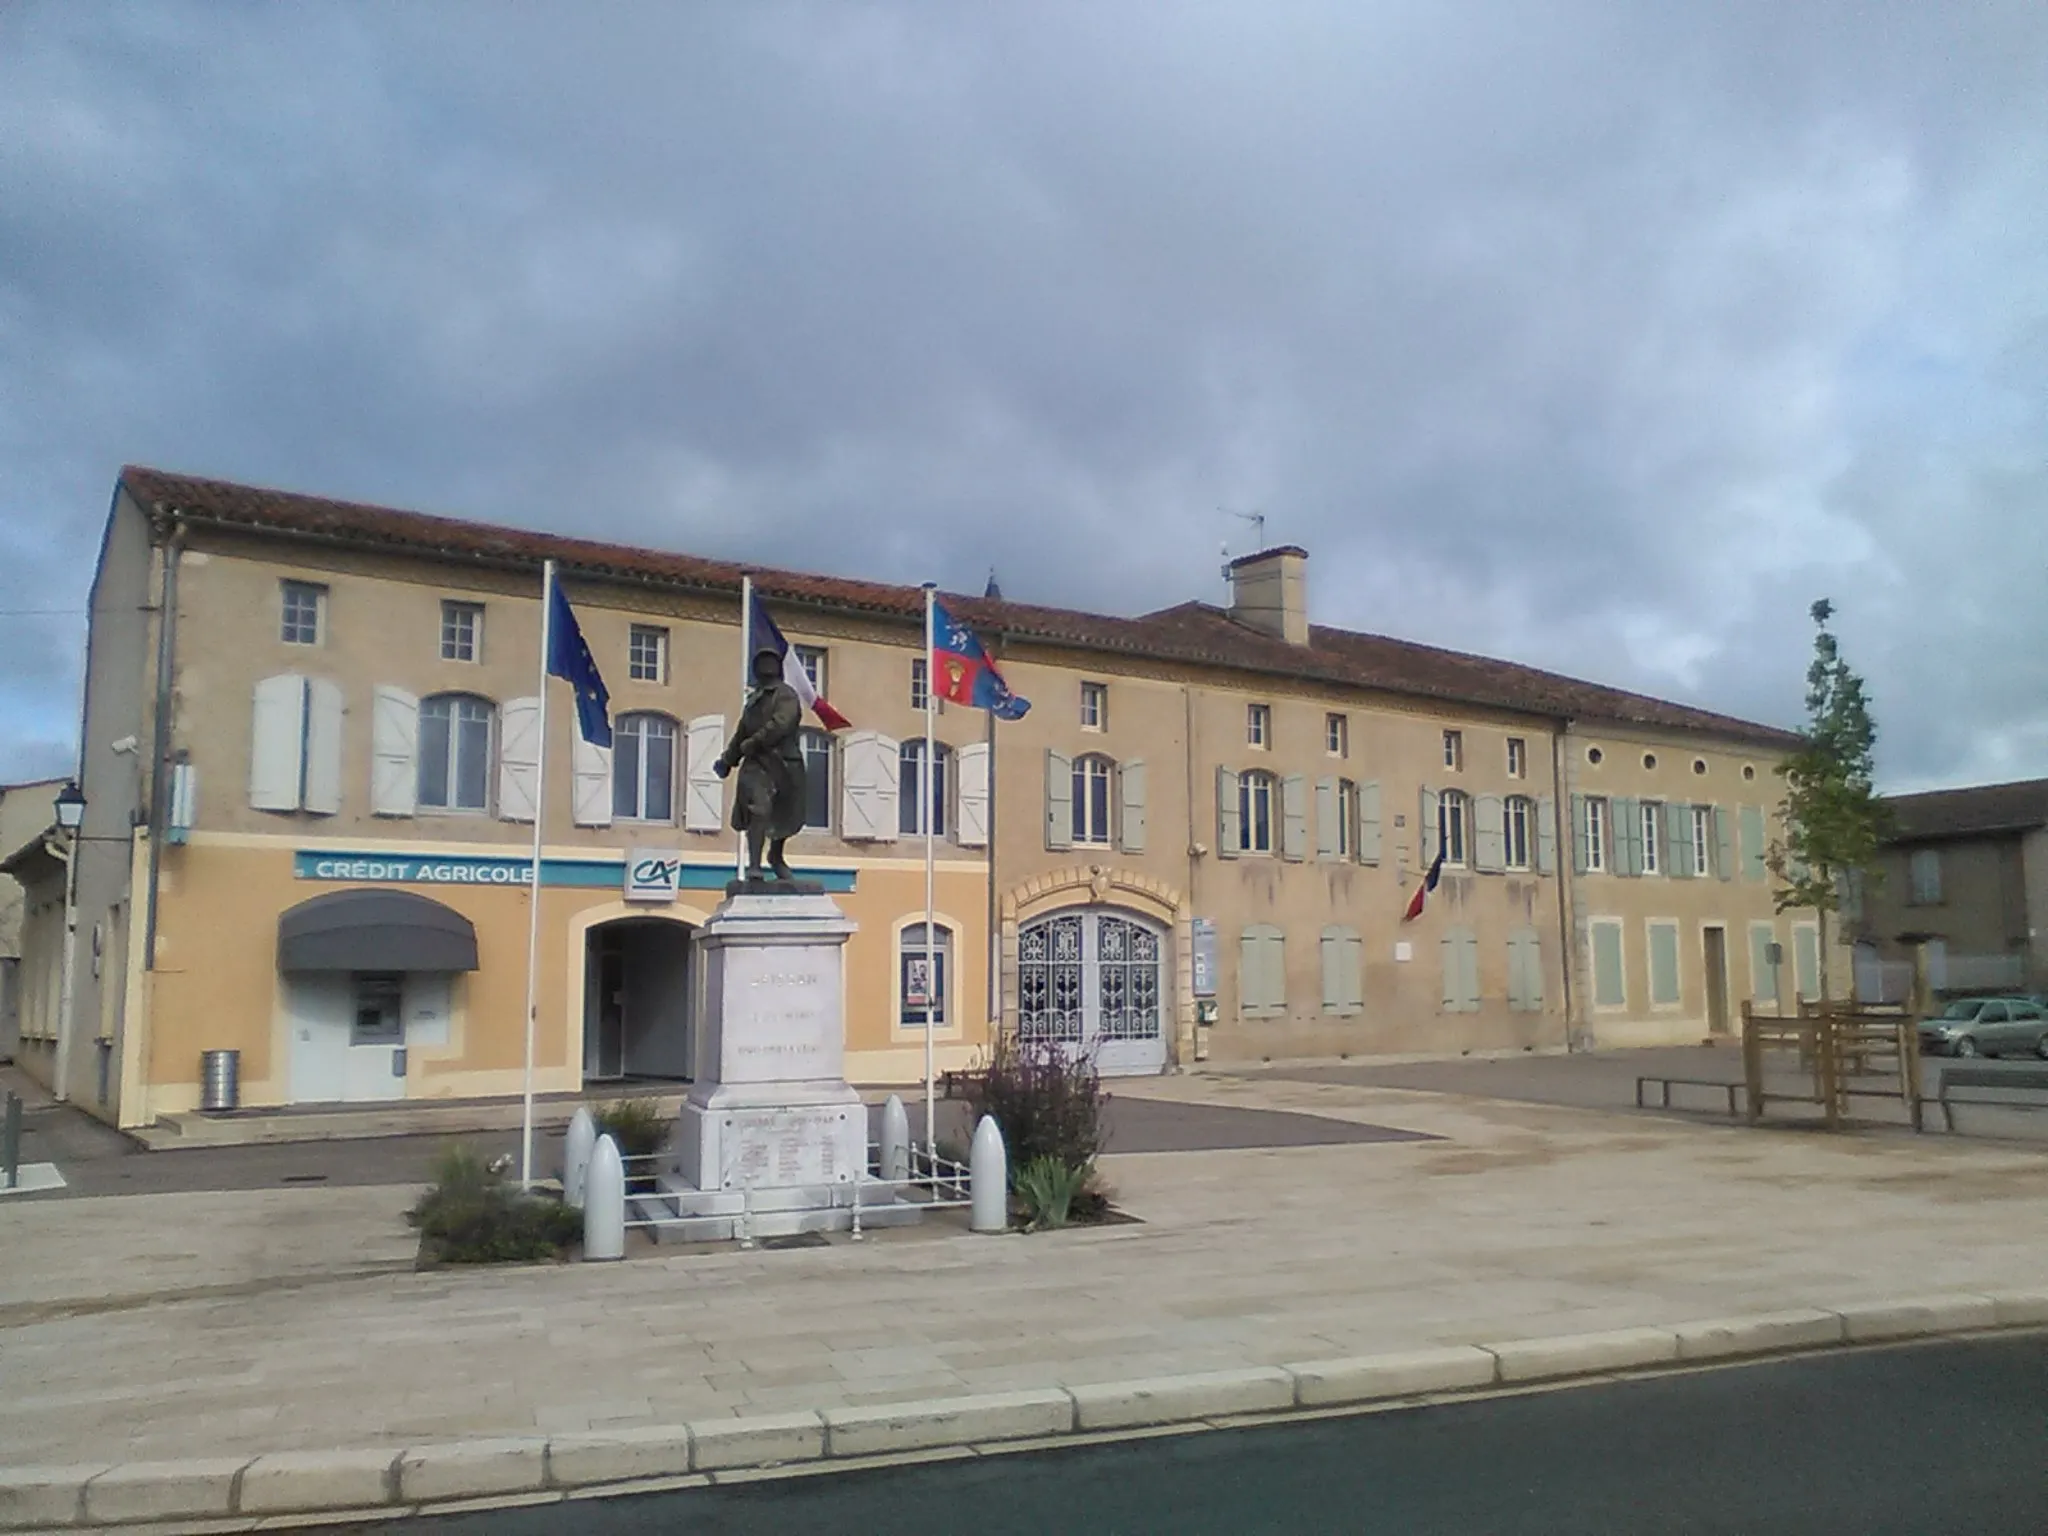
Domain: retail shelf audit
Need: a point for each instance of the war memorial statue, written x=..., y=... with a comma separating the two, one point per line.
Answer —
x=767, y=748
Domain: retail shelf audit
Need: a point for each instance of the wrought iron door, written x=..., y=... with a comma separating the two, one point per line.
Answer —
x=1091, y=980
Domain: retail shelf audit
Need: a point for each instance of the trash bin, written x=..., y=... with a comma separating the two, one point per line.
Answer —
x=220, y=1079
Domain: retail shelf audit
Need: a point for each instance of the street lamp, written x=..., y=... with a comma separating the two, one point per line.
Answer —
x=70, y=808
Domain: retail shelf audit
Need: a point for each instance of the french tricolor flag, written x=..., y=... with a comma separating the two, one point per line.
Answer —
x=763, y=635
x=1436, y=870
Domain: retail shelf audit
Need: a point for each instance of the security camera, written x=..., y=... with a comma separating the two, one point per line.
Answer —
x=125, y=744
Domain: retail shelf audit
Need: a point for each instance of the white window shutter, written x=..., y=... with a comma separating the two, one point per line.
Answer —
x=1369, y=822
x=1426, y=829
x=1228, y=821
x=971, y=768
x=395, y=743
x=703, y=789
x=868, y=806
x=518, y=758
x=591, y=771
x=1546, y=836
x=1130, y=781
x=323, y=746
x=1326, y=818
x=1294, y=817
x=277, y=741
x=1059, y=800
x=1489, y=837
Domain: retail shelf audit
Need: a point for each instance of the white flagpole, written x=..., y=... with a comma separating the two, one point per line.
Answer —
x=932, y=992
x=540, y=811
x=739, y=862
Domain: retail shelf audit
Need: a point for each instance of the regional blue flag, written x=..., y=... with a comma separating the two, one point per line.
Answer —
x=569, y=658
x=962, y=671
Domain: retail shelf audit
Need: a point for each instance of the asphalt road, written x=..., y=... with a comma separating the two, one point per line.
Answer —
x=1916, y=1441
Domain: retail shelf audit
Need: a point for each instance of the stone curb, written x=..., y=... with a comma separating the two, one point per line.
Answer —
x=282, y=1489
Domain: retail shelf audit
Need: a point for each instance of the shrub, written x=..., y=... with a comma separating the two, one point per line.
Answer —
x=638, y=1126
x=1046, y=1103
x=1046, y=1188
x=470, y=1215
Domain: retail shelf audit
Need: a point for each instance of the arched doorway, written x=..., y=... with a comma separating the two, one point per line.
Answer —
x=1094, y=980
x=639, y=1000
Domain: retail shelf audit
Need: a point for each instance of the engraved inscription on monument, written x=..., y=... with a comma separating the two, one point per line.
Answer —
x=778, y=1149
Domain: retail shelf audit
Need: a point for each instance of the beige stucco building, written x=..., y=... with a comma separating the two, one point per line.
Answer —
x=1198, y=844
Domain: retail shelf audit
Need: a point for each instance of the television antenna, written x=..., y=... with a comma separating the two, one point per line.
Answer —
x=1258, y=521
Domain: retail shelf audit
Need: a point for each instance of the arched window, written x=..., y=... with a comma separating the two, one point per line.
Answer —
x=1456, y=814
x=1516, y=815
x=923, y=988
x=1255, y=812
x=817, y=780
x=1092, y=775
x=455, y=752
x=644, y=768
x=910, y=760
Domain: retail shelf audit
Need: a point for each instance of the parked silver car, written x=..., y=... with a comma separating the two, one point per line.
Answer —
x=1988, y=1026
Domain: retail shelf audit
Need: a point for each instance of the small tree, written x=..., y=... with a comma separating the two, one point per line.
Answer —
x=1832, y=817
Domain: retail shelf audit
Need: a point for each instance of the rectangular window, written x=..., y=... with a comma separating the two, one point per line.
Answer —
x=1258, y=725
x=910, y=777
x=1703, y=840
x=302, y=604
x=1454, y=749
x=647, y=654
x=1515, y=832
x=1596, y=834
x=1337, y=735
x=1609, y=989
x=1663, y=964
x=1518, y=758
x=462, y=631
x=1347, y=818
x=1451, y=811
x=1255, y=813
x=812, y=659
x=454, y=752
x=1653, y=823
x=1094, y=706
x=817, y=781
x=1091, y=799
x=1926, y=877
x=920, y=693
x=923, y=975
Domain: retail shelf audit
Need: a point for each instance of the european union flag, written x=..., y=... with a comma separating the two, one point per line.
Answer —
x=569, y=658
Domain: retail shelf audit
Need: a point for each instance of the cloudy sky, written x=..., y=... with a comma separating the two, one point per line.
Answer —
x=1605, y=337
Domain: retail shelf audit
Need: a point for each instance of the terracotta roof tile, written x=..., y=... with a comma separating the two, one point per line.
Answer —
x=1198, y=633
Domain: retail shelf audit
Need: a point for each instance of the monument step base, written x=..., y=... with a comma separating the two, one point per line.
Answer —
x=687, y=1214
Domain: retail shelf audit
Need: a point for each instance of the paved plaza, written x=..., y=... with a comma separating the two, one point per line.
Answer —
x=222, y=1322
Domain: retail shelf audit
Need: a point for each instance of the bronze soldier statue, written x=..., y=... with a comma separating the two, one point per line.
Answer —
x=767, y=748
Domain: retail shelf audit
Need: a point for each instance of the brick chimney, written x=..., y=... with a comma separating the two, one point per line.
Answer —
x=1269, y=591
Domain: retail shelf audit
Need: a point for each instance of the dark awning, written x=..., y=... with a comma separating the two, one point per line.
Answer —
x=368, y=930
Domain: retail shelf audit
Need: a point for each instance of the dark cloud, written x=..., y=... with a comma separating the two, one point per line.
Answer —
x=1606, y=337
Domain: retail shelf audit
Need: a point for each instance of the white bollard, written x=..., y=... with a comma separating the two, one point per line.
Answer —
x=604, y=1203
x=576, y=1149
x=988, y=1168
x=895, y=1141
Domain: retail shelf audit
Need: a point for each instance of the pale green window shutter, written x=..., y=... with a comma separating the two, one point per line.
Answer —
x=1724, y=844
x=1294, y=818
x=1752, y=818
x=1425, y=829
x=1332, y=988
x=1447, y=950
x=1663, y=963
x=1608, y=988
x=1806, y=962
x=1489, y=836
x=1763, y=976
x=1354, y=971
x=1369, y=822
x=1546, y=836
x=1059, y=800
x=1326, y=819
x=1678, y=839
x=1468, y=970
x=1262, y=971
x=1532, y=970
x=1515, y=1002
x=1343, y=983
x=1131, y=794
x=1627, y=835
x=1228, y=824
x=1580, y=836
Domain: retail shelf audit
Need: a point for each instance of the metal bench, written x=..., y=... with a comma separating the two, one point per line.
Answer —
x=2022, y=1079
x=1666, y=1084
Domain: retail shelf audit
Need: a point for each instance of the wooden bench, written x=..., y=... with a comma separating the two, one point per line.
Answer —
x=2019, y=1079
x=1666, y=1084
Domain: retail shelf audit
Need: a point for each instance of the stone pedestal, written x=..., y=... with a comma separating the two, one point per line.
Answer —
x=771, y=1124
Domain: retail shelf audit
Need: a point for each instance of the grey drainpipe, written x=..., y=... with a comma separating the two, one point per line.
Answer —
x=160, y=751
x=1567, y=887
